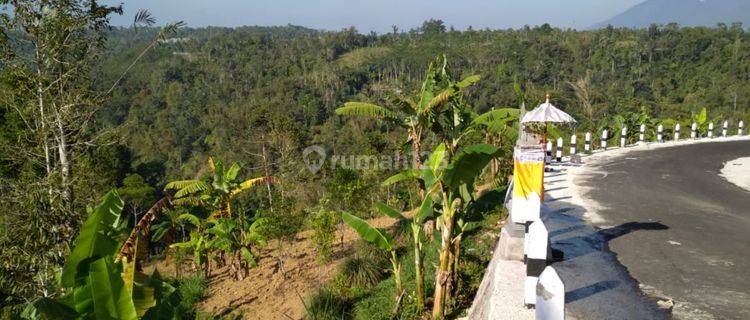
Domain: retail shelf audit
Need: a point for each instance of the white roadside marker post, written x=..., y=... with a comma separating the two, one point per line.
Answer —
x=642, y=137
x=604, y=139
x=725, y=128
x=548, y=157
x=550, y=296
x=536, y=259
x=559, y=152
x=623, y=135
x=659, y=133
x=711, y=130
x=694, y=131
x=573, y=145
x=742, y=126
x=587, y=143
x=676, y=132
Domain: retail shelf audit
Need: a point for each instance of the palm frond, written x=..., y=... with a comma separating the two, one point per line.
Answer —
x=189, y=201
x=406, y=105
x=247, y=184
x=365, y=109
x=186, y=187
x=440, y=99
x=143, y=18
x=468, y=81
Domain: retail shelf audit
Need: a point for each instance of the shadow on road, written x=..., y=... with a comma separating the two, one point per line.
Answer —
x=590, y=290
x=580, y=245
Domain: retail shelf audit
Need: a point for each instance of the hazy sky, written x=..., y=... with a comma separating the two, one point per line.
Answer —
x=370, y=15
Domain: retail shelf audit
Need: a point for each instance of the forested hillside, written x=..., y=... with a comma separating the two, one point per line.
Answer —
x=223, y=91
x=205, y=106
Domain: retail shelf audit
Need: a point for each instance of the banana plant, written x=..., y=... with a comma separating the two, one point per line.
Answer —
x=216, y=195
x=424, y=212
x=463, y=228
x=381, y=239
x=415, y=115
x=96, y=286
x=235, y=243
x=197, y=243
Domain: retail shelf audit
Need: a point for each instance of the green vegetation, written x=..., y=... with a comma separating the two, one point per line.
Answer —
x=86, y=108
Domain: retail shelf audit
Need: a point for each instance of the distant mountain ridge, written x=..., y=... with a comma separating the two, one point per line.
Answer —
x=684, y=12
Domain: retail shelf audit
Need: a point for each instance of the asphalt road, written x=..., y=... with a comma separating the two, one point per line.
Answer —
x=679, y=228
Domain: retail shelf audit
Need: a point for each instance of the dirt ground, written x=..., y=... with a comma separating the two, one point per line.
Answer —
x=266, y=293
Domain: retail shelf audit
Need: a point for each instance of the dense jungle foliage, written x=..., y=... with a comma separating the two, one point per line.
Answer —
x=256, y=97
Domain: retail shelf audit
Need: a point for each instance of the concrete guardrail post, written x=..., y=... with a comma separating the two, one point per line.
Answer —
x=694, y=131
x=642, y=137
x=725, y=129
x=587, y=143
x=623, y=137
x=548, y=157
x=660, y=133
x=559, y=152
x=538, y=240
x=711, y=130
x=550, y=296
x=573, y=145
x=742, y=126
x=604, y=139
x=676, y=132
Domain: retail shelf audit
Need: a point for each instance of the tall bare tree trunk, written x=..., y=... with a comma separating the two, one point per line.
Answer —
x=66, y=163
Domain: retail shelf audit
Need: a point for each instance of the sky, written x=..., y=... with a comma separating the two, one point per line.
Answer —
x=378, y=16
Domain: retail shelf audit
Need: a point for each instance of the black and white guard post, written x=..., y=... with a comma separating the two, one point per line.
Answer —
x=548, y=158
x=573, y=143
x=742, y=126
x=642, y=137
x=550, y=296
x=694, y=131
x=604, y=139
x=536, y=251
x=623, y=136
x=559, y=152
x=725, y=129
x=676, y=132
x=660, y=133
x=587, y=143
x=711, y=130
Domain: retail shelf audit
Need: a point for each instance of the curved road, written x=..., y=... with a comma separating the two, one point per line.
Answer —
x=696, y=246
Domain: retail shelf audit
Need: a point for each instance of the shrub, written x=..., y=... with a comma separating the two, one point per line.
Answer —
x=324, y=226
x=361, y=271
x=192, y=290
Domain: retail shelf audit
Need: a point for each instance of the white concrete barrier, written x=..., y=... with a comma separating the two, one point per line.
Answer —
x=604, y=139
x=550, y=296
x=623, y=136
x=587, y=143
x=573, y=144
x=642, y=137
x=559, y=151
x=676, y=132
x=711, y=130
x=742, y=126
x=536, y=253
x=725, y=129
x=660, y=133
x=694, y=131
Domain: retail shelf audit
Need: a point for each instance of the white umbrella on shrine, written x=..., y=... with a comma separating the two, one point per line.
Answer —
x=546, y=113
